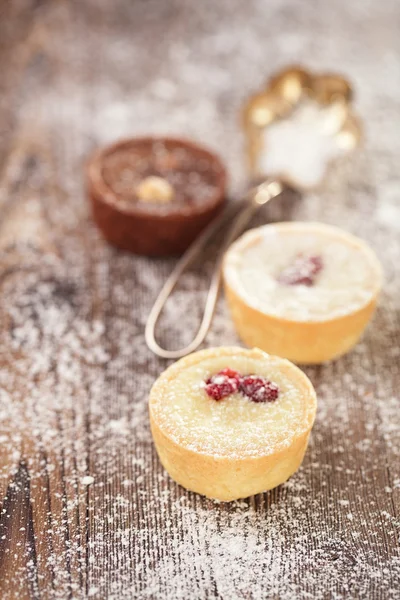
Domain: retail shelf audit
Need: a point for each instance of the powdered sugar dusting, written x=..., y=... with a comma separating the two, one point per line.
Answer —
x=256, y=265
x=300, y=147
x=235, y=427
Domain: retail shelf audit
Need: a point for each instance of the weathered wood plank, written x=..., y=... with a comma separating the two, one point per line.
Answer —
x=87, y=510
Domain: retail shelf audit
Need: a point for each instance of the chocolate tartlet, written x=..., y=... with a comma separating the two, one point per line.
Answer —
x=153, y=196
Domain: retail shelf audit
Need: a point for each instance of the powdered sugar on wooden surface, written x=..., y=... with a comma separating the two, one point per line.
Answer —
x=75, y=372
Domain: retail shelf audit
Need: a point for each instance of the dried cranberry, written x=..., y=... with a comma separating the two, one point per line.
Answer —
x=259, y=389
x=302, y=271
x=223, y=384
x=228, y=381
x=231, y=373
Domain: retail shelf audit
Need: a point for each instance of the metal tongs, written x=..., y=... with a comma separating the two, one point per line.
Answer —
x=294, y=129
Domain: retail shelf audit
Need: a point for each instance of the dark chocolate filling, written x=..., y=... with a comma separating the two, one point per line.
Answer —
x=193, y=178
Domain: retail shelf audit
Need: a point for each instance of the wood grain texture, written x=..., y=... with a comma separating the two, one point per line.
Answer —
x=86, y=511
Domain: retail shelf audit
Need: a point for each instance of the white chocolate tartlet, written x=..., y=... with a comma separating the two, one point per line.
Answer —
x=303, y=291
x=230, y=422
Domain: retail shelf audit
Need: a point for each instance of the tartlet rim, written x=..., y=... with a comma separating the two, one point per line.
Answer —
x=105, y=194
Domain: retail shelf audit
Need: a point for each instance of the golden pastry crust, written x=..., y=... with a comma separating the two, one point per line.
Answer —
x=309, y=340
x=234, y=465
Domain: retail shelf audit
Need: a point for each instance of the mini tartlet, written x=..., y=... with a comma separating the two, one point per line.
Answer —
x=231, y=422
x=153, y=196
x=303, y=291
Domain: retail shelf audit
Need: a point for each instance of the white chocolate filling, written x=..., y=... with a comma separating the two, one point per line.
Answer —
x=234, y=426
x=350, y=278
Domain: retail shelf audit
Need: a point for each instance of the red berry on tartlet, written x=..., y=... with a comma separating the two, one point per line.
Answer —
x=228, y=381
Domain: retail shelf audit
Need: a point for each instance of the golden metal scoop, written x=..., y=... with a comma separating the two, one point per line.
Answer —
x=294, y=129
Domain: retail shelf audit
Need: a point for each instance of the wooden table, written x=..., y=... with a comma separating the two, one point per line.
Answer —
x=86, y=509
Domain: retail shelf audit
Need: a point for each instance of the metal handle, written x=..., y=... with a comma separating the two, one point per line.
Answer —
x=256, y=197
